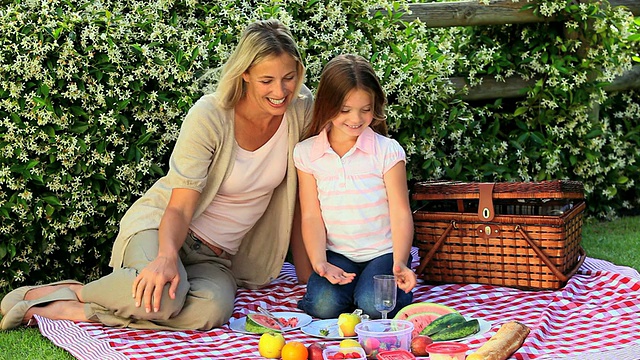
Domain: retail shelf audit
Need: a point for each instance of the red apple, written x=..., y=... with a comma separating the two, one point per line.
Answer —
x=419, y=345
x=315, y=351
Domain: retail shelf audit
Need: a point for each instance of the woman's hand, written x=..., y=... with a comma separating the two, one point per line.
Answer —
x=334, y=274
x=405, y=277
x=148, y=286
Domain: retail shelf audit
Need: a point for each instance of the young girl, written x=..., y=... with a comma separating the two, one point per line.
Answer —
x=356, y=219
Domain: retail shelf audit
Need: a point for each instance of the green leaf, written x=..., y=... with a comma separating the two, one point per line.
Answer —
x=158, y=61
x=545, y=57
x=123, y=104
x=144, y=139
x=634, y=37
x=622, y=180
x=594, y=133
x=79, y=128
x=44, y=90
x=537, y=137
x=521, y=110
x=31, y=164
x=157, y=169
x=49, y=210
x=51, y=199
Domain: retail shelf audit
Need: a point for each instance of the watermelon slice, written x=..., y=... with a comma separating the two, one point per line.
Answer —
x=421, y=320
x=260, y=324
x=422, y=307
x=422, y=314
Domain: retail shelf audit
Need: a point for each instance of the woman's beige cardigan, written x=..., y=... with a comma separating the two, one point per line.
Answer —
x=202, y=158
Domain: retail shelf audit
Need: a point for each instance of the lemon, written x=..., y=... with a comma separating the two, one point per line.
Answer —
x=347, y=343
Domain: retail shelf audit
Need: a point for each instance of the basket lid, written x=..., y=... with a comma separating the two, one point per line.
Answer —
x=548, y=189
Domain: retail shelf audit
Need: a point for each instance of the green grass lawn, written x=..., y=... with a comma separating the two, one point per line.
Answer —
x=616, y=241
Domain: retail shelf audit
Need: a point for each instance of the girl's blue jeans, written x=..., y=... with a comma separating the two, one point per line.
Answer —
x=325, y=300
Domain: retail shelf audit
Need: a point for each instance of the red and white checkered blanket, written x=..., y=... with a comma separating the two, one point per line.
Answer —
x=595, y=316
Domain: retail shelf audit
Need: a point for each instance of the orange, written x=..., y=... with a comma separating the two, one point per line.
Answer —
x=294, y=350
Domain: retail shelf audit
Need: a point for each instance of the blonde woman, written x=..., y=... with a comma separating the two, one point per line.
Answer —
x=222, y=217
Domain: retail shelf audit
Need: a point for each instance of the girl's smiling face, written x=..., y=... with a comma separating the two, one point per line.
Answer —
x=356, y=114
x=271, y=83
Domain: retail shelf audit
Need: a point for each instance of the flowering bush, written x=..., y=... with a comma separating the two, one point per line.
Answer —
x=567, y=126
x=92, y=95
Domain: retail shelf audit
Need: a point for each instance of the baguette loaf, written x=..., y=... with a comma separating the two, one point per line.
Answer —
x=503, y=343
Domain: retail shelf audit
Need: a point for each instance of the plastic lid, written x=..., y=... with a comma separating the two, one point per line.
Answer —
x=446, y=348
x=395, y=355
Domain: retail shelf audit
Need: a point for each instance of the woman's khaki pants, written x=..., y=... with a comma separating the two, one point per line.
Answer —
x=204, y=298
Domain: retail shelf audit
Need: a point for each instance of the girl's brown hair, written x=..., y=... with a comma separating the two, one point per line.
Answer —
x=341, y=75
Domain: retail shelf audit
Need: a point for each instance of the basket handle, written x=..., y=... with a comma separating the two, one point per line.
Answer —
x=425, y=260
x=562, y=277
x=583, y=256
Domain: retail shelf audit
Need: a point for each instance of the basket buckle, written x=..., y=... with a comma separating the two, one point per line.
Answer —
x=487, y=230
x=485, y=205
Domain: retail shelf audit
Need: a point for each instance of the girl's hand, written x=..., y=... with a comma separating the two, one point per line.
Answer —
x=405, y=277
x=148, y=286
x=334, y=274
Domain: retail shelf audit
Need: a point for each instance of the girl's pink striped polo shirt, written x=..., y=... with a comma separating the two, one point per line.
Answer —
x=351, y=190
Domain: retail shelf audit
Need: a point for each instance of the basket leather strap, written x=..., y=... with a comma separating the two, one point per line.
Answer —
x=425, y=260
x=485, y=204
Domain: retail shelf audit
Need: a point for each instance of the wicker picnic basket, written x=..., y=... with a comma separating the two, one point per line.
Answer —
x=517, y=234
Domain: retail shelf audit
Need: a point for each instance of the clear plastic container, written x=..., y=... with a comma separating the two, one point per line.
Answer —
x=329, y=352
x=382, y=335
x=447, y=351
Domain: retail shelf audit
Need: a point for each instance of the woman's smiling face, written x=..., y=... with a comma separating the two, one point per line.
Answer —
x=270, y=84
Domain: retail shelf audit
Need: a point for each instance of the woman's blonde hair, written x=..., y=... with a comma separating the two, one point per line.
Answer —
x=259, y=40
x=341, y=75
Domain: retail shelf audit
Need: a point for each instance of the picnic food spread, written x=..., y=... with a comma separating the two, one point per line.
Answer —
x=438, y=325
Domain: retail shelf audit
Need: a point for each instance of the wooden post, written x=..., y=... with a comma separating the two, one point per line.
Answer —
x=471, y=13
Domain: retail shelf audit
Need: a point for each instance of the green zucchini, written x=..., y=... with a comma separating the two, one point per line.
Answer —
x=457, y=331
x=442, y=323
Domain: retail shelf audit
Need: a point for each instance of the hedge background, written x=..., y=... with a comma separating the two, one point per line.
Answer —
x=92, y=95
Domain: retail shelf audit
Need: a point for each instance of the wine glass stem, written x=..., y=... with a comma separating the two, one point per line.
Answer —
x=384, y=314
